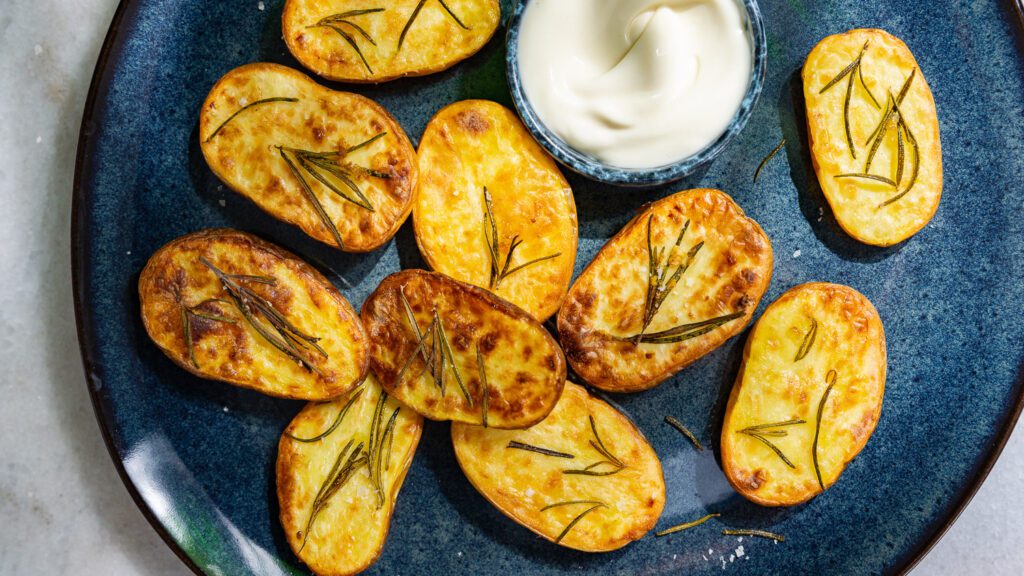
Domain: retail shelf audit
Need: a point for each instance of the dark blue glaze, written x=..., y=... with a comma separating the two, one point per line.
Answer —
x=593, y=168
x=199, y=455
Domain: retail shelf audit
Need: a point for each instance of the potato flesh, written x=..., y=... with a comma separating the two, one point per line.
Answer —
x=520, y=483
x=773, y=387
x=349, y=532
x=524, y=367
x=434, y=42
x=245, y=156
x=858, y=203
x=606, y=304
x=473, y=145
x=235, y=352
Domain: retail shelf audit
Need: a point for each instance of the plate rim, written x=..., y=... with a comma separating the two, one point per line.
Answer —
x=80, y=197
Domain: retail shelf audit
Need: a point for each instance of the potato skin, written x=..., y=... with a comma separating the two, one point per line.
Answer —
x=349, y=534
x=520, y=483
x=435, y=42
x=606, y=304
x=524, y=367
x=244, y=153
x=474, y=144
x=772, y=386
x=857, y=203
x=234, y=352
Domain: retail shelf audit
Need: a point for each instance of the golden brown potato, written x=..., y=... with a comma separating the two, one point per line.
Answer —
x=585, y=460
x=492, y=209
x=335, y=164
x=677, y=282
x=228, y=306
x=808, y=395
x=340, y=466
x=855, y=83
x=452, y=351
x=375, y=41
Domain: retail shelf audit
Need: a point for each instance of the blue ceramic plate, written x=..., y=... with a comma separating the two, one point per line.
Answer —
x=199, y=456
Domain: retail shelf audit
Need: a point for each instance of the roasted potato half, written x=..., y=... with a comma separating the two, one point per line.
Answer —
x=379, y=40
x=335, y=164
x=584, y=478
x=874, y=135
x=677, y=282
x=492, y=209
x=340, y=466
x=228, y=306
x=807, y=397
x=452, y=351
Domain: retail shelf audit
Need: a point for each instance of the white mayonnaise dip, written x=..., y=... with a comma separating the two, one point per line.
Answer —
x=635, y=83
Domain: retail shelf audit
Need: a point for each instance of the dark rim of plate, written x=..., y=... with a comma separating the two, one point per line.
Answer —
x=80, y=198
x=596, y=170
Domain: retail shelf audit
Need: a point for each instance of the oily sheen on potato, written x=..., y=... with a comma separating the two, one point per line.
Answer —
x=808, y=395
x=335, y=164
x=340, y=466
x=678, y=281
x=228, y=306
x=452, y=351
x=379, y=40
x=492, y=209
x=874, y=135
x=584, y=478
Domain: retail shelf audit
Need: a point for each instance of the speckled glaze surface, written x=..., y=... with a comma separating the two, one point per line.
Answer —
x=594, y=169
x=199, y=456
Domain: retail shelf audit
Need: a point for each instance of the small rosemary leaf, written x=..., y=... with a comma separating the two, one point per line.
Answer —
x=334, y=425
x=243, y=109
x=860, y=75
x=351, y=42
x=311, y=168
x=900, y=154
x=846, y=113
x=686, y=526
x=350, y=14
x=773, y=447
x=415, y=353
x=684, y=431
x=391, y=438
x=570, y=503
x=452, y=14
x=369, y=141
x=915, y=162
x=362, y=31
x=850, y=68
x=793, y=422
x=576, y=521
x=755, y=533
x=600, y=444
x=484, y=392
x=687, y=331
x=408, y=24
x=530, y=448
x=531, y=263
x=808, y=341
x=768, y=158
x=446, y=351
x=186, y=326
x=874, y=177
x=831, y=379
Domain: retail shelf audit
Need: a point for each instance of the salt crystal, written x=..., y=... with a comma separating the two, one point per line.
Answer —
x=797, y=254
x=731, y=558
x=222, y=202
x=129, y=253
x=459, y=554
x=260, y=6
x=39, y=139
x=38, y=49
x=740, y=552
x=225, y=408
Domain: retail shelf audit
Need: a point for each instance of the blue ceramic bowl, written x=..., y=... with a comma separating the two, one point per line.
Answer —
x=595, y=169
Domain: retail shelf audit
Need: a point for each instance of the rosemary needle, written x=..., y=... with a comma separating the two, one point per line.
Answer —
x=545, y=451
x=756, y=533
x=684, y=431
x=831, y=379
x=243, y=109
x=808, y=341
x=768, y=159
x=337, y=421
x=686, y=526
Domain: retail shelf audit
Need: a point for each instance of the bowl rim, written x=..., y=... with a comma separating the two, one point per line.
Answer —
x=593, y=168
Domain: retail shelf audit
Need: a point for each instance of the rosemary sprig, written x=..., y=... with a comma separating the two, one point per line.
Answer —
x=483, y=384
x=594, y=505
x=416, y=13
x=338, y=476
x=808, y=341
x=325, y=219
x=755, y=533
x=501, y=269
x=915, y=163
x=763, y=431
x=684, y=431
x=610, y=459
x=336, y=21
x=831, y=379
x=288, y=339
x=852, y=72
x=686, y=526
x=243, y=109
x=334, y=425
x=441, y=356
x=545, y=451
x=768, y=158
x=189, y=312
